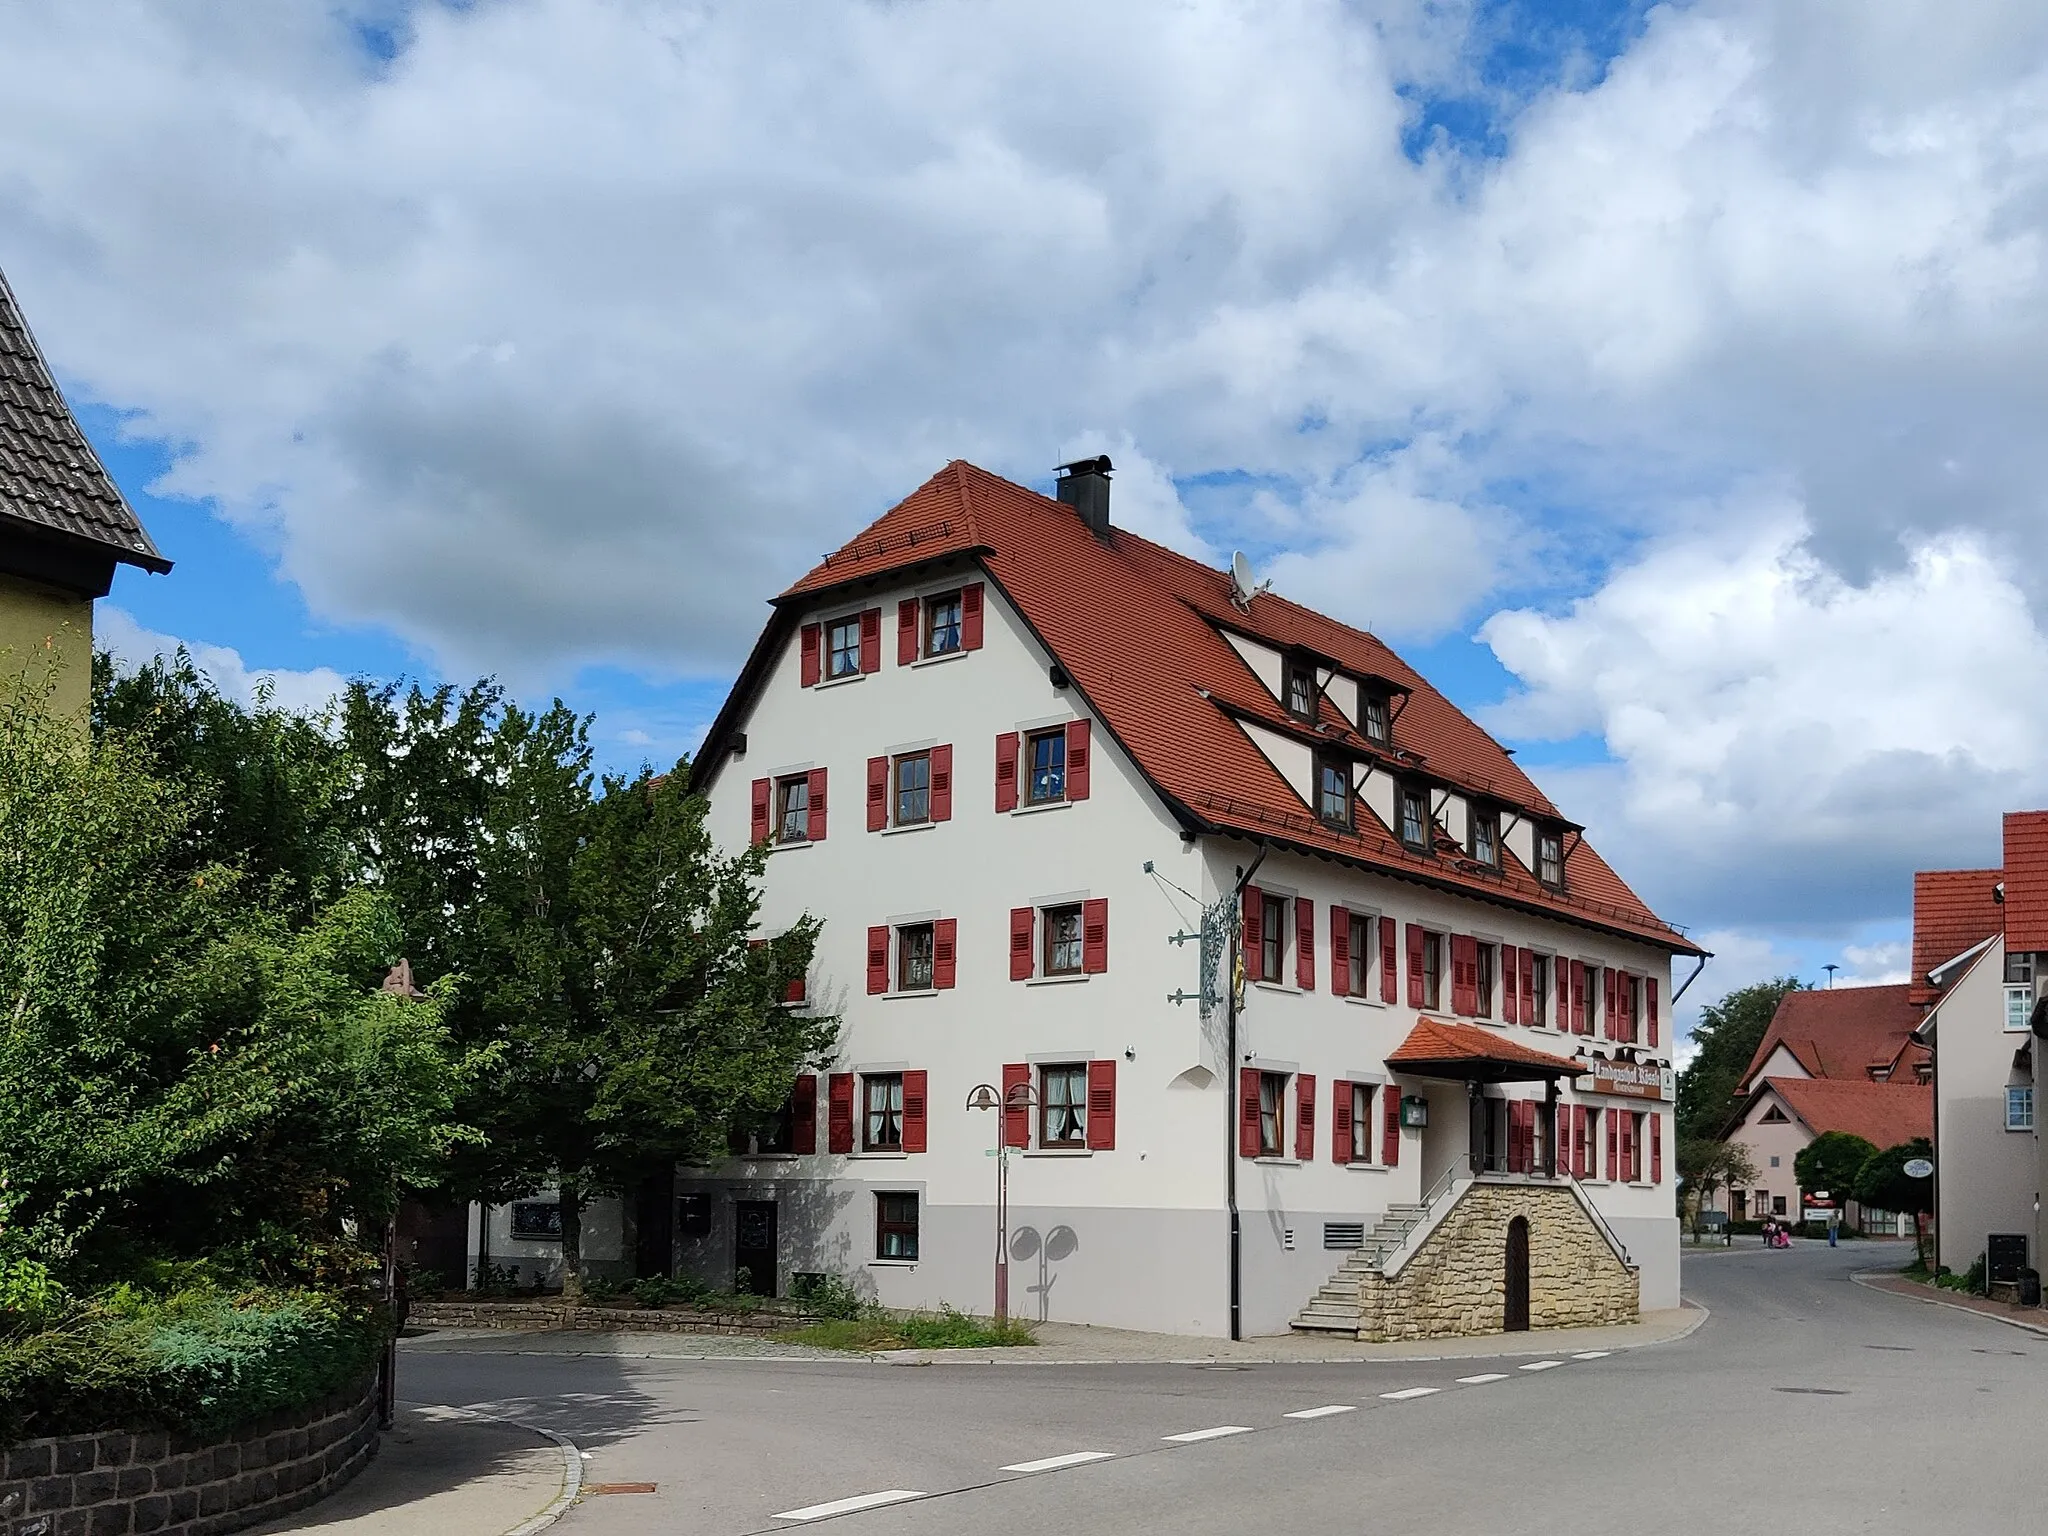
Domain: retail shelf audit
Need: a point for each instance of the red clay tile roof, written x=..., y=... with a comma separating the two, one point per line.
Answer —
x=1883, y=1114
x=1952, y=909
x=1439, y=1040
x=2026, y=880
x=1135, y=627
x=1842, y=1032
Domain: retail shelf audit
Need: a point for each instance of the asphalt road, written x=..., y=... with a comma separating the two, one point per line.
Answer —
x=1805, y=1403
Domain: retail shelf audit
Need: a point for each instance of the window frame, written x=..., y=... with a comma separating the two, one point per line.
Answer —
x=1278, y=1083
x=2019, y=1095
x=832, y=649
x=785, y=787
x=1433, y=946
x=1364, y=947
x=1485, y=975
x=1031, y=796
x=2019, y=967
x=1487, y=820
x=1273, y=915
x=898, y=1228
x=1341, y=770
x=1550, y=858
x=1540, y=975
x=1049, y=920
x=897, y=791
x=1405, y=796
x=904, y=953
x=892, y=1105
x=2022, y=994
x=928, y=628
x=1364, y=1142
x=1375, y=717
x=1075, y=1075
x=1589, y=1005
x=1300, y=674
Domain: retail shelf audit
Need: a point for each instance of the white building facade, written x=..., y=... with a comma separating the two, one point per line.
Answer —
x=1007, y=754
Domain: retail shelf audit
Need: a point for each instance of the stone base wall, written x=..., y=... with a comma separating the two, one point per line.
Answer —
x=550, y=1316
x=182, y=1485
x=1456, y=1282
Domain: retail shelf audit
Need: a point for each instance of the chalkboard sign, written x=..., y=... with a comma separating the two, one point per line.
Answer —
x=2005, y=1255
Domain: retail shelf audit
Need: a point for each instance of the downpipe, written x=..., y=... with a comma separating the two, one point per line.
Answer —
x=1232, y=958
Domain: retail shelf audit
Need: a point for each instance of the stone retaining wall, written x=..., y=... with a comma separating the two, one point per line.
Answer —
x=182, y=1485
x=553, y=1315
x=1456, y=1282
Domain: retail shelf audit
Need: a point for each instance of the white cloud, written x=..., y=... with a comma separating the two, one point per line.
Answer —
x=115, y=630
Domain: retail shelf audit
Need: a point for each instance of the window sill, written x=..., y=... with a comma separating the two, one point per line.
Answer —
x=908, y=826
x=1367, y=1167
x=892, y=1263
x=1279, y=1162
x=879, y=1155
x=1049, y=805
x=1059, y=1152
x=839, y=682
x=1364, y=1002
x=1057, y=981
x=2019, y=1130
x=920, y=992
x=958, y=653
x=768, y=1157
x=792, y=847
x=1278, y=986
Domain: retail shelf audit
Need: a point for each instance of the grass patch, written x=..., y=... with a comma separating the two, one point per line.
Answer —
x=944, y=1329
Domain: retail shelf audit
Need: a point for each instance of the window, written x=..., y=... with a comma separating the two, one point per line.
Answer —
x=882, y=1126
x=913, y=788
x=1550, y=859
x=1364, y=938
x=914, y=957
x=1777, y=1205
x=1633, y=986
x=895, y=1226
x=793, y=809
x=1063, y=941
x=2019, y=1007
x=1272, y=936
x=1536, y=1006
x=1414, y=817
x=1372, y=717
x=1333, y=791
x=1633, y=1134
x=1484, y=958
x=1432, y=970
x=1063, y=1106
x=2019, y=967
x=1773, y=1116
x=842, y=647
x=1046, y=752
x=1486, y=838
x=1362, y=1137
x=778, y=1132
x=942, y=624
x=1301, y=690
x=1775, y=1161
x=1589, y=1005
x=2019, y=1107
x=1272, y=1096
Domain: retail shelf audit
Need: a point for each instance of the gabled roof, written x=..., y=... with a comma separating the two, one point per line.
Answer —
x=52, y=485
x=1952, y=910
x=1135, y=627
x=1883, y=1114
x=1467, y=1050
x=1842, y=1032
x=2026, y=880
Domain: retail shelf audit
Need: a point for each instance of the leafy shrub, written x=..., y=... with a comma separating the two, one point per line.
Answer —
x=29, y=1297
x=652, y=1290
x=1972, y=1282
x=945, y=1329
x=498, y=1280
x=828, y=1296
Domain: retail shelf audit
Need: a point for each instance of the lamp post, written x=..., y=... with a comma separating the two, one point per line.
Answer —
x=1022, y=1096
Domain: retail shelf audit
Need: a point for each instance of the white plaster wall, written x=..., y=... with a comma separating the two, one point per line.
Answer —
x=1262, y=659
x=1342, y=692
x=1453, y=811
x=1292, y=760
x=603, y=1241
x=1766, y=1141
x=1520, y=836
x=1988, y=1175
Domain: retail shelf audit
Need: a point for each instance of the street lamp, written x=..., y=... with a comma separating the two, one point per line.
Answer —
x=1020, y=1096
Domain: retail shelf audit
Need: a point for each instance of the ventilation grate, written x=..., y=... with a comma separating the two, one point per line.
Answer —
x=1343, y=1234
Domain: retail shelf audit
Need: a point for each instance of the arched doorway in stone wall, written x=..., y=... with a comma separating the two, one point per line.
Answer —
x=1516, y=1319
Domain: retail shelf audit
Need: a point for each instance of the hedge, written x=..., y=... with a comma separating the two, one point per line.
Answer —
x=200, y=1363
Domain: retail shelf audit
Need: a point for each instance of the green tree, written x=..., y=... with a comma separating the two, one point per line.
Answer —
x=1831, y=1162
x=1706, y=1165
x=1882, y=1184
x=1724, y=1040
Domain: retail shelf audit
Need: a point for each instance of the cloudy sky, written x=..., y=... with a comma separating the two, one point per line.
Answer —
x=1665, y=382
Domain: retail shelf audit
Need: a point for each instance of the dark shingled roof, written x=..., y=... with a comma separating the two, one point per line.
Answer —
x=50, y=479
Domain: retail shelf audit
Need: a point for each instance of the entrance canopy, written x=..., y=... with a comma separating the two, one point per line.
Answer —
x=1467, y=1053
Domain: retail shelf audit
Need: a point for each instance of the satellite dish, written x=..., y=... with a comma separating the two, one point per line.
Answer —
x=1243, y=584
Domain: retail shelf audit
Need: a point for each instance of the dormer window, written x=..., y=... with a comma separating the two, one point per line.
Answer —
x=1301, y=690
x=1486, y=838
x=1333, y=791
x=1414, y=817
x=1372, y=718
x=1550, y=859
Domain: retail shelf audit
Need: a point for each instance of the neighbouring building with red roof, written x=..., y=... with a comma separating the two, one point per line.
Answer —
x=1980, y=937
x=1270, y=956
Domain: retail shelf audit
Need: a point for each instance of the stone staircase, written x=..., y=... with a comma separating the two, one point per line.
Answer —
x=1335, y=1308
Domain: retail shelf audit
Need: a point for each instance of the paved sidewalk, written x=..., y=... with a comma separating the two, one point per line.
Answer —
x=2033, y=1319
x=623, y=1344
x=444, y=1472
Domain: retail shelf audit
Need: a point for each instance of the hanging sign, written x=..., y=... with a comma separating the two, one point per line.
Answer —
x=1629, y=1080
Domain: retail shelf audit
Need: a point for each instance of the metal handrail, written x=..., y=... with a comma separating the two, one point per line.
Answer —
x=1592, y=1205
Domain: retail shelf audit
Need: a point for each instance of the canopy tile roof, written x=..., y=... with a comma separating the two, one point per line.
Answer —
x=52, y=484
x=1136, y=628
x=1952, y=910
x=1439, y=1042
x=1883, y=1114
x=1842, y=1032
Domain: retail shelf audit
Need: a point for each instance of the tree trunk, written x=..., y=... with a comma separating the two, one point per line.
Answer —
x=571, y=1200
x=483, y=1246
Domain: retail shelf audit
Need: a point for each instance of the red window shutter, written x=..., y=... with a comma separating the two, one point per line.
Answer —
x=1610, y=1010
x=1464, y=974
x=1650, y=1005
x=1340, y=1122
x=1514, y=1109
x=1102, y=1106
x=871, y=639
x=1390, y=977
x=913, y=1111
x=1390, y=1132
x=878, y=793
x=906, y=632
x=1340, y=951
x=764, y=794
x=1563, y=969
x=1528, y=962
x=1305, y=1116
x=1248, y=1112
x=1016, y=1116
x=1510, y=985
x=839, y=1112
x=803, y=1115
x=1613, y=1146
x=878, y=959
x=797, y=990
x=1095, y=935
x=970, y=616
x=941, y=798
x=1254, y=931
x=816, y=829
x=1023, y=942
x=1006, y=771
x=1528, y=1135
x=1414, y=966
x=807, y=651
x=945, y=947
x=1579, y=998
x=1077, y=759
x=1656, y=1148
x=1304, y=944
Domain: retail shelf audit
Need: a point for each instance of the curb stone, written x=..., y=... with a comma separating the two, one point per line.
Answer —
x=1863, y=1277
x=572, y=1464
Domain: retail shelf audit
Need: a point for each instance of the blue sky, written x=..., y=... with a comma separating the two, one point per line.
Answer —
x=1656, y=384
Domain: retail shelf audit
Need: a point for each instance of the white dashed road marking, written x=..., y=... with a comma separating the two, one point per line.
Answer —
x=848, y=1506
x=1480, y=1381
x=1209, y=1434
x=1054, y=1463
x=1323, y=1412
x=1593, y=1354
x=1407, y=1392
x=1539, y=1365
